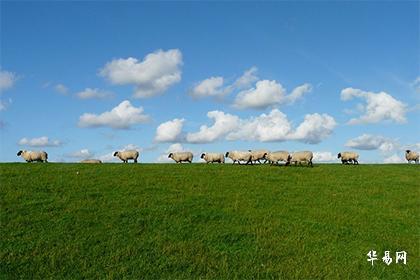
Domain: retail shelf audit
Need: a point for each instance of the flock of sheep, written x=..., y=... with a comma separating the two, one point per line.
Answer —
x=247, y=157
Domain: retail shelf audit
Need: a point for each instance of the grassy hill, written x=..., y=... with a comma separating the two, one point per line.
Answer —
x=161, y=221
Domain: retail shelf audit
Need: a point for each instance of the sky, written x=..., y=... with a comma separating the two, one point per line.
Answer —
x=84, y=79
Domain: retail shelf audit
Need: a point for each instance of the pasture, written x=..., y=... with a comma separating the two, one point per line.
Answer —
x=168, y=221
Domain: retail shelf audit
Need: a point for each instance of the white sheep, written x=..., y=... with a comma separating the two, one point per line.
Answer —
x=412, y=156
x=349, y=157
x=126, y=155
x=240, y=156
x=31, y=156
x=91, y=161
x=257, y=155
x=304, y=156
x=179, y=157
x=213, y=157
x=275, y=157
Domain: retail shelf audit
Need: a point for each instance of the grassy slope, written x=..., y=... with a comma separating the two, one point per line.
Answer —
x=210, y=221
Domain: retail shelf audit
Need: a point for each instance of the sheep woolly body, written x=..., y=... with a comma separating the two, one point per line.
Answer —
x=275, y=157
x=31, y=156
x=412, y=156
x=181, y=156
x=349, y=156
x=126, y=155
x=257, y=155
x=304, y=156
x=213, y=157
x=240, y=155
x=91, y=161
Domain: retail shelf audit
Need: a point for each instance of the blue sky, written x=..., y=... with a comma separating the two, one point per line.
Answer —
x=319, y=76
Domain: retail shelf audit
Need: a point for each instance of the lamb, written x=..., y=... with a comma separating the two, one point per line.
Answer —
x=31, y=156
x=213, y=157
x=275, y=157
x=348, y=157
x=240, y=155
x=305, y=156
x=181, y=156
x=257, y=155
x=126, y=155
x=91, y=161
x=412, y=156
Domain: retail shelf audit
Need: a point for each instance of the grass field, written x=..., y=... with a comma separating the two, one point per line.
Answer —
x=167, y=221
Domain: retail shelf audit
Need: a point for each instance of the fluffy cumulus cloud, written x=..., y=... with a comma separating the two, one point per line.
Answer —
x=268, y=93
x=324, y=157
x=93, y=93
x=169, y=131
x=379, y=106
x=7, y=80
x=272, y=127
x=216, y=87
x=81, y=154
x=43, y=141
x=123, y=116
x=151, y=76
x=373, y=142
x=223, y=124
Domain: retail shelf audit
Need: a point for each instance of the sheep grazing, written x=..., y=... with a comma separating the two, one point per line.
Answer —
x=275, y=157
x=213, y=157
x=305, y=156
x=349, y=157
x=238, y=156
x=91, y=161
x=181, y=156
x=258, y=155
x=412, y=156
x=30, y=156
x=126, y=155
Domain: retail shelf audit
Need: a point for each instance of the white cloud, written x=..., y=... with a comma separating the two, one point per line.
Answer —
x=152, y=76
x=379, y=107
x=223, y=124
x=265, y=128
x=7, y=80
x=177, y=147
x=169, y=131
x=93, y=93
x=121, y=117
x=43, y=141
x=395, y=158
x=82, y=154
x=416, y=84
x=212, y=86
x=268, y=93
x=324, y=157
x=131, y=147
x=62, y=89
x=373, y=142
x=247, y=78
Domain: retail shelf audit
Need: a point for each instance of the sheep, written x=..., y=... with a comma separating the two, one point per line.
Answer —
x=91, y=161
x=257, y=155
x=305, y=156
x=412, y=156
x=275, y=157
x=31, y=156
x=240, y=155
x=126, y=155
x=349, y=157
x=213, y=157
x=181, y=156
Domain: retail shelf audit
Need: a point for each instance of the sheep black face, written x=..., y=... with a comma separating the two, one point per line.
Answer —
x=19, y=153
x=170, y=155
x=339, y=155
x=115, y=154
x=265, y=155
x=227, y=154
x=407, y=151
x=202, y=155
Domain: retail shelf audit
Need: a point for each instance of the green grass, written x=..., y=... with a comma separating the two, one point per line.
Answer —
x=167, y=221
